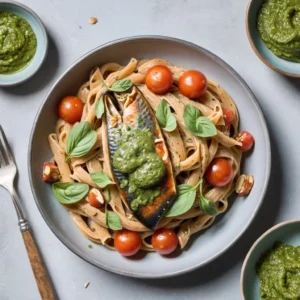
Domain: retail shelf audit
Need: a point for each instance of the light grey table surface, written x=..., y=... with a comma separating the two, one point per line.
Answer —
x=217, y=25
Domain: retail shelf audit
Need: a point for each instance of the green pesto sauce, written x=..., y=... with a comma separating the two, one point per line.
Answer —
x=17, y=43
x=279, y=273
x=279, y=27
x=136, y=156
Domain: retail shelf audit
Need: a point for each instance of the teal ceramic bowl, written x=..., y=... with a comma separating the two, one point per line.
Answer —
x=287, y=232
x=282, y=66
x=42, y=43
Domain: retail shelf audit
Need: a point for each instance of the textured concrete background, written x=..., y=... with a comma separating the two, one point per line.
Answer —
x=217, y=25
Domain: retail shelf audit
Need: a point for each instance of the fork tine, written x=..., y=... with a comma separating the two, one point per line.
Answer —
x=2, y=161
x=4, y=144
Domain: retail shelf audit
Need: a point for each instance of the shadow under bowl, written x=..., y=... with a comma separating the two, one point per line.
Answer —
x=285, y=67
x=42, y=43
x=287, y=232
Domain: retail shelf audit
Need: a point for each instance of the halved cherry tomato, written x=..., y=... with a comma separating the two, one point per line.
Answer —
x=127, y=242
x=219, y=172
x=95, y=198
x=192, y=84
x=228, y=116
x=159, y=79
x=70, y=109
x=164, y=241
x=246, y=139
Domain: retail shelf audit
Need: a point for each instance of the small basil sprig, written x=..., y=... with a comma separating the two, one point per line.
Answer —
x=120, y=86
x=165, y=118
x=69, y=192
x=112, y=219
x=101, y=179
x=81, y=140
x=184, y=200
x=197, y=124
x=99, y=109
x=207, y=206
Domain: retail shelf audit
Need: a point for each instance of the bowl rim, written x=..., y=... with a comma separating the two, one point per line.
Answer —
x=45, y=47
x=256, y=50
x=232, y=72
x=263, y=236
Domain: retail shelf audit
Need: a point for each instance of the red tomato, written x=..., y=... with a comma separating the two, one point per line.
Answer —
x=70, y=109
x=127, y=242
x=246, y=139
x=95, y=198
x=192, y=84
x=164, y=241
x=228, y=116
x=159, y=79
x=219, y=172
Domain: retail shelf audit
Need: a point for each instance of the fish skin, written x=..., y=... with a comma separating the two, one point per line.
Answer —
x=138, y=114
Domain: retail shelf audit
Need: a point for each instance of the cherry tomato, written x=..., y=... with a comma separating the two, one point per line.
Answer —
x=95, y=198
x=159, y=79
x=192, y=84
x=127, y=242
x=70, y=109
x=164, y=241
x=219, y=172
x=228, y=116
x=246, y=139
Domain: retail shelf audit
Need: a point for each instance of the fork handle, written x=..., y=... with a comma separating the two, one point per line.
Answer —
x=38, y=267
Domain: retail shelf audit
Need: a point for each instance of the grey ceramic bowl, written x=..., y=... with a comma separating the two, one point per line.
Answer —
x=280, y=65
x=287, y=232
x=205, y=246
x=42, y=43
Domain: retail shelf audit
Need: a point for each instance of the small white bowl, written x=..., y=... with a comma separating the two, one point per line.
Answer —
x=42, y=43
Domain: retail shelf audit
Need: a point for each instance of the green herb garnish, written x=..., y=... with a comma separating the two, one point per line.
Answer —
x=207, y=206
x=165, y=118
x=184, y=200
x=120, y=86
x=99, y=109
x=69, y=192
x=101, y=179
x=197, y=124
x=81, y=140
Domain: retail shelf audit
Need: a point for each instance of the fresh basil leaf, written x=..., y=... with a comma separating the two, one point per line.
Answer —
x=101, y=179
x=113, y=221
x=121, y=85
x=184, y=200
x=207, y=127
x=99, y=110
x=107, y=195
x=165, y=118
x=196, y=124
x=191, y=112
x=81, y=140
x=69, y=192
x=207, y=206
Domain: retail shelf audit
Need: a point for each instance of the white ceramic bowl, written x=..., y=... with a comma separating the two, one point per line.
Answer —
x=205, y=246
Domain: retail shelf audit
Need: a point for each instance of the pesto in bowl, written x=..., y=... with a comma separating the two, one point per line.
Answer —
x=278, y=24
x=18, y=43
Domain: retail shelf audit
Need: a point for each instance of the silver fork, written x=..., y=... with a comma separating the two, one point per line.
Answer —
x=8, y=171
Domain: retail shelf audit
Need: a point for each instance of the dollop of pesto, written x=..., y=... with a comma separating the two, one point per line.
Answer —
x=278, y=24
x=279, y=273
x=136, y=156
x=17, y=43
